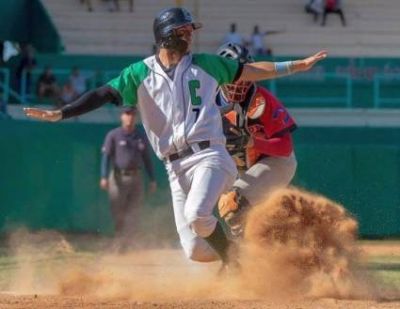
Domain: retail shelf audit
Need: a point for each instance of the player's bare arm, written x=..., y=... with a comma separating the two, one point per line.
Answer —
x=262, y=70
x=86, y=103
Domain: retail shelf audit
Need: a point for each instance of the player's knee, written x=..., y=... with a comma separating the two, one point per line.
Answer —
x=203, y=226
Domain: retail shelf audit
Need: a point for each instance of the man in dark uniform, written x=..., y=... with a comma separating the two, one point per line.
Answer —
x=125, y=151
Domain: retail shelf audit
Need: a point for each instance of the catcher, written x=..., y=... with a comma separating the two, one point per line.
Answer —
x=258, y=132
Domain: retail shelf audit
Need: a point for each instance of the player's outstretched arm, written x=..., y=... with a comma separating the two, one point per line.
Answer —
x=86, y=103
x=261, y=70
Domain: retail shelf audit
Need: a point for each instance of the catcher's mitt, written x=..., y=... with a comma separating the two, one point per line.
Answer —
x=232, y=207
x=236, y=138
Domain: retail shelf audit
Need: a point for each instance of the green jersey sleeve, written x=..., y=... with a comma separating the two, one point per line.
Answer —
x=224, y=70
x=128, y=82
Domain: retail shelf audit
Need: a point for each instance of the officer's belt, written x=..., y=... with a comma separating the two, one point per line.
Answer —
x=188, y=151
x=126, y=172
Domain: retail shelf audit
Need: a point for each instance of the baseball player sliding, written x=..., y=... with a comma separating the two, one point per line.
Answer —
x=175, y=92
x=258, y=131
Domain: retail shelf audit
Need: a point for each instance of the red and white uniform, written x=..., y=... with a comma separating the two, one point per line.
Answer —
x=268, y=161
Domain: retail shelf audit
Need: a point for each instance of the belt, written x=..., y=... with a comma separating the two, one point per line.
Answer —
x=126, y=172
x=188, y=151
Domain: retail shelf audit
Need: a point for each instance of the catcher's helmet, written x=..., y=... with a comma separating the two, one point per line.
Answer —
x=235, y=51
x=236, y=92
x=167, y=21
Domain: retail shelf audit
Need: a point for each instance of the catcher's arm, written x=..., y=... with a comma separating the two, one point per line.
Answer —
x=86, y=103
x=261, y=70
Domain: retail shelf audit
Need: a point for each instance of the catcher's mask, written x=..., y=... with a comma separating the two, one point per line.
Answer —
x=236, y=92
x=167, y=22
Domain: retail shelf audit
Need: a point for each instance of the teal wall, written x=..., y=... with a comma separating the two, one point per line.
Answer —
x=358, y=167
x=50, y=172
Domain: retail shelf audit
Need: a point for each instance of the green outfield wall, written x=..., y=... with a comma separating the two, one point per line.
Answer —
x=50, y=172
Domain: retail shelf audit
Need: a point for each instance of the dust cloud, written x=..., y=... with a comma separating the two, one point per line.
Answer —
x=296, y=245
x=302, y=244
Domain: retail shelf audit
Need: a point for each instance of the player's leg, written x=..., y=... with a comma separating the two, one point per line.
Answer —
x=134, y=203
x=255, y=184
x=266, y=175
x=116, y=203
x=208, y=183
x=195, y=247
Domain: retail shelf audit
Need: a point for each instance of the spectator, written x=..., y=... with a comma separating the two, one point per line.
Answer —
x=113, y=5
x=27, y=63
x=333, y=7
x=316, y=8
x=78, y=81
x=68, y=93
x=257, y=42
x=88, y=4
x=47, y=85
x=232, y=36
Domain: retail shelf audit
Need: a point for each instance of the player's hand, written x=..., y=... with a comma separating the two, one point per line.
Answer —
x=250, y=143
x=152, y=187
x=42, y=114
x=104, y=184
x=308, y=63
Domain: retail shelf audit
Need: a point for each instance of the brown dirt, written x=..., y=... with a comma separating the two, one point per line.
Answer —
x=300, y=251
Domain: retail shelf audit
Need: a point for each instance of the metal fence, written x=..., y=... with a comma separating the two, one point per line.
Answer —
x=302, y=90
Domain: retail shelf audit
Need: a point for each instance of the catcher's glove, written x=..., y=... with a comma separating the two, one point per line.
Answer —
x=236, y=138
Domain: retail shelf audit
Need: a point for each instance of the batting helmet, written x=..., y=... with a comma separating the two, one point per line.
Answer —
x=236, y=92
x=167, y=21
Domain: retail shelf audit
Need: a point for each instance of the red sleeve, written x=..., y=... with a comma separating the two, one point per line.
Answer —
x=274, y=138
x=275, y=119
x=277, y=146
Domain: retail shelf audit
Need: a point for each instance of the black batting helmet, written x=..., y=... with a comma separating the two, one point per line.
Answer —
x=167, y=21
x=235, y=51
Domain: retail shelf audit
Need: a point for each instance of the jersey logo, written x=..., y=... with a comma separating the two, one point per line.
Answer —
x=193, y=86
x=278, y=112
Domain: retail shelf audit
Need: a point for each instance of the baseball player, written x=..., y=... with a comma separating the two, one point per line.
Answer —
x=175, y=92
x=258, y=130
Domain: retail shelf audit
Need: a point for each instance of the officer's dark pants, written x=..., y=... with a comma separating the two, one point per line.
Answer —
x=126, y=197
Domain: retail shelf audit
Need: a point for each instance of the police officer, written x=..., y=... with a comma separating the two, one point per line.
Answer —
x=125, y=151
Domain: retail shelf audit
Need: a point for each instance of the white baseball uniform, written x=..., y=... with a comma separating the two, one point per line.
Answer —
x=179, y=113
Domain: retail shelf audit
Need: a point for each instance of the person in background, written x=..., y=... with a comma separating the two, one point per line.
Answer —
x=333, y=7
x=316, y=8
x=78, y=81
x=27, y=63
x=68, y=93
x=125, y=151
x=233, y=36
x=257, y=42
x=47, y=86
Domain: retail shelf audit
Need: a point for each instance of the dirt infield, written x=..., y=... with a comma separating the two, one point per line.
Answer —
x=300, y=251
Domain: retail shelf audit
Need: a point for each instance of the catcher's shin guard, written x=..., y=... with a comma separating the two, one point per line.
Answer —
x=232, y=207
